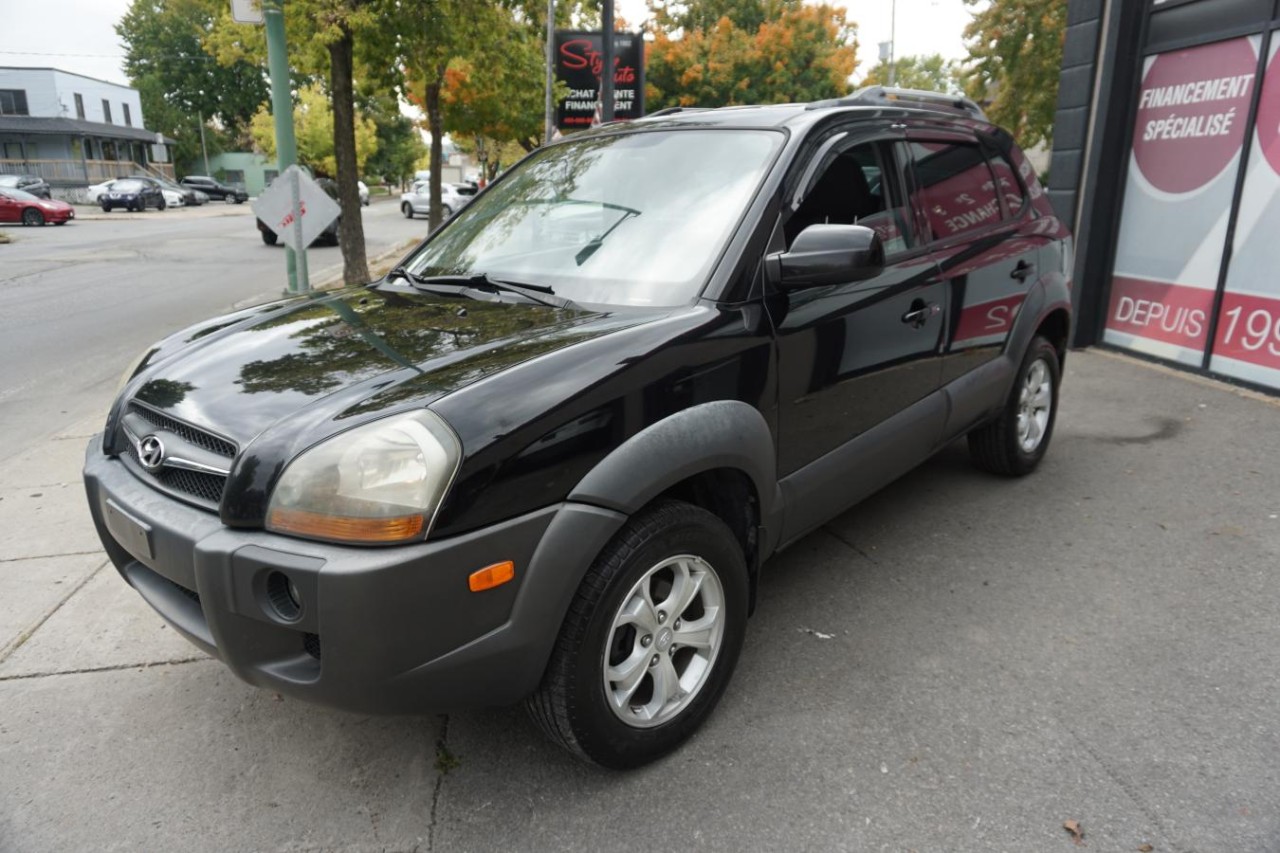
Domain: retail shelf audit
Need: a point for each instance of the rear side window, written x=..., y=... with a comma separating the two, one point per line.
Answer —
x=1010, y=188
x=954, y=187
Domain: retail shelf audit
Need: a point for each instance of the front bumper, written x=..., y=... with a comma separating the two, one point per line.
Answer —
x=381, y=630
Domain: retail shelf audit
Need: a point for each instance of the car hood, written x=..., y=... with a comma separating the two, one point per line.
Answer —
x=329, y=362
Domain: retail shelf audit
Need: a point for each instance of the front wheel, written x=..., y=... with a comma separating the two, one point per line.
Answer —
x=407, y=210
x=31, y=216
x=162, y=205
x=1015, y=442
x=269, y=237
x=650, y=640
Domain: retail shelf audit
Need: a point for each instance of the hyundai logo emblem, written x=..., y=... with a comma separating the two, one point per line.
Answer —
x=151, y=453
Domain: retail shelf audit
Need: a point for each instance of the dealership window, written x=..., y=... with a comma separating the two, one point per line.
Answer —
x=13, y=102
x=128, y=119
x=955, y=187
x=106, y=111
x=79, y=105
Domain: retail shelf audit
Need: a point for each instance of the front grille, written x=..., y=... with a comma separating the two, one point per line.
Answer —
x=198, y=437
x=311, y=644
x=207, y=487
x=202, y=488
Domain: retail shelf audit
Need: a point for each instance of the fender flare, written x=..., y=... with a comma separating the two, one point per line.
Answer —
x=720, y=434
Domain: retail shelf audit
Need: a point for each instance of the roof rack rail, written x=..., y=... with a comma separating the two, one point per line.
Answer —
x=881, y=96
x=672, y=110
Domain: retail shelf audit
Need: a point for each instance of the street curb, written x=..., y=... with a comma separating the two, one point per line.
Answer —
x=379, y=265
x=93, y=213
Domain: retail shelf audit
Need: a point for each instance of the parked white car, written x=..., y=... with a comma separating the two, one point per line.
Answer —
x=364, y=192
x=98, y=189
x=453, y=197
x=173, y=198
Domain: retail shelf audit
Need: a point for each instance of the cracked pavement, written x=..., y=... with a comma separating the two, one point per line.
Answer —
x=960, y=663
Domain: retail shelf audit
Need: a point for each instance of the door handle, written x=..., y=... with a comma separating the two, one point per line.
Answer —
x=1022, y=271
x=920, y=313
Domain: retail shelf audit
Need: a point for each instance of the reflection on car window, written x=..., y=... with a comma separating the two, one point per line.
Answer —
x=853, y=190
x=956, y=188
x=1010, y=186
x=624, y=219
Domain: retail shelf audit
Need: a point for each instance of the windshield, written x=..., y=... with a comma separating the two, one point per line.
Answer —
x=126, y=186
x=8, y=180
x=632, y=219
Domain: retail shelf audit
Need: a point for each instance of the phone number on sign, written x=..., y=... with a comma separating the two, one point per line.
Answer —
x=1249, y=329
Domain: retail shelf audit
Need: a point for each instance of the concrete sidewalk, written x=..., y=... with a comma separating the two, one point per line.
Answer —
x=961, y=663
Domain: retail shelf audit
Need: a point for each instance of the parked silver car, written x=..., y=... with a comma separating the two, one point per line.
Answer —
x=453, y=197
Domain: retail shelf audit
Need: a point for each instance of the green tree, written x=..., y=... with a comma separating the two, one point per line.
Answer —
x=1016, y=56
x=931, y=73
x=400, y=147
x=800, y=53
x=178, y=81
x=313, y=121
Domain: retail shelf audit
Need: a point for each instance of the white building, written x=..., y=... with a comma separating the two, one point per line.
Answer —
x=74, y=130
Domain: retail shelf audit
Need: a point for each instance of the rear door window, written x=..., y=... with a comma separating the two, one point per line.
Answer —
x=955, y=188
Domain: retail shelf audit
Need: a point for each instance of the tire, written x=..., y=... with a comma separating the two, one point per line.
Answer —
x=162, y=205
x=228, y=199
x=106, y=208
x=446, y=210
x=1014, y=443
x=269, y=237
x=613, y=634
x=407, y=210
x=31, y=216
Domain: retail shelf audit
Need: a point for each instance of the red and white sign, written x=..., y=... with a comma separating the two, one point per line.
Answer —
x=1247, y=343
x=1192, y=112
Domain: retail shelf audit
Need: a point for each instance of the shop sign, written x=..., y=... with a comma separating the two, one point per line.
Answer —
x=1193, y=109
x=579, y=64
x=1247, y=342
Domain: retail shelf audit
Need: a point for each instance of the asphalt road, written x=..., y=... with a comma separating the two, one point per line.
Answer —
x=961, y=663
x=79, y=302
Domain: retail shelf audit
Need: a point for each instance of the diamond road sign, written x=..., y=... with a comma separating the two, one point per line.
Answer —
x=315, y=211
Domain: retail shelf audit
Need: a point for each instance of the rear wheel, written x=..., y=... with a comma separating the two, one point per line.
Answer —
x=31, y=216
x=650, y=640
x=269, y=237
x=228, y=199
x=1015, y=442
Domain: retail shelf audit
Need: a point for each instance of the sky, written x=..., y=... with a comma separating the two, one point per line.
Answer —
x=79, y=35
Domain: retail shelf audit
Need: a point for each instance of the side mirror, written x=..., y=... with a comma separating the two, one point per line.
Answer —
x=825, y=255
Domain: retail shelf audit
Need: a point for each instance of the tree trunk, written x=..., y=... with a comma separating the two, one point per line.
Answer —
x=355, y=265
x=435, y=122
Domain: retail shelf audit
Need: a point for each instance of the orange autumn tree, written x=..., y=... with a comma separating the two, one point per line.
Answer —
x=755, y=52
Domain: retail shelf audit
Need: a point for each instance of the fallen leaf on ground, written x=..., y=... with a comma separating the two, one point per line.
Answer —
x=1073, y=827
x=1145, y=848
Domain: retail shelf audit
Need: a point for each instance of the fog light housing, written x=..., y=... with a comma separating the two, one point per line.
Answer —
x=283, y=595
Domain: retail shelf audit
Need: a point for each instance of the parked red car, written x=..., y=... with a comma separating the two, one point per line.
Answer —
x=19, y=206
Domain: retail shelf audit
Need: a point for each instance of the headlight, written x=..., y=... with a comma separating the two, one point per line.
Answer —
x=380, y=483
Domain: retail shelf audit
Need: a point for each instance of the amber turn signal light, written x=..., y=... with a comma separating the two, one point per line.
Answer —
x=491, y=576
x=346, y=529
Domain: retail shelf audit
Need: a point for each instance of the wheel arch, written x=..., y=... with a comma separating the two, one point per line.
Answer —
x=719, y=456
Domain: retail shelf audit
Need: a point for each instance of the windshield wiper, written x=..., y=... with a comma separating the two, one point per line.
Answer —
x=596, y=242
x=539, y=293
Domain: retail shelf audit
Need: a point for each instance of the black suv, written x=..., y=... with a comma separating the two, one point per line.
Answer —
x=32, y=184
x=546, y=458
x=214, y=189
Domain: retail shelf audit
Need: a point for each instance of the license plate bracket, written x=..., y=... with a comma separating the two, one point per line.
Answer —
x=133, y=535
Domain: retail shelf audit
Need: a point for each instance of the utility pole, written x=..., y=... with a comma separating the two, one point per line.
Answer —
x=549, y=126
x=893, y=43
x=282, y=113
x=606, y=72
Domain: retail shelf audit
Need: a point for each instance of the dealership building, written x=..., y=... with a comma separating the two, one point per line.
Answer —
x=1167, y=162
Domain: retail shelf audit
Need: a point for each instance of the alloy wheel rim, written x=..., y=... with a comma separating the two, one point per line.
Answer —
x=1035, y=403
x=664, y=641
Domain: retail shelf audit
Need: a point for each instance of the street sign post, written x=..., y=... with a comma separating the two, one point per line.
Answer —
x=297, y=210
